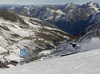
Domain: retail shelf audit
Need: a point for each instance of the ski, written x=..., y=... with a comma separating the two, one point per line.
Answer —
x=68, y=54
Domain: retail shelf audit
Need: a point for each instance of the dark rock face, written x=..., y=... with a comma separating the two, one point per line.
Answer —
x=94, y=29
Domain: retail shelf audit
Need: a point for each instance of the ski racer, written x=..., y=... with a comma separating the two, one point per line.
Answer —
x=74, y=45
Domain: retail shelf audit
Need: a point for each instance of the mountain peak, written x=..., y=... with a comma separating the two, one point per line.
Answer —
x=70, y=3
x=90, y=3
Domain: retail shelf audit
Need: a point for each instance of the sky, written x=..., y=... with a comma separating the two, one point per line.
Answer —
x=31, y=2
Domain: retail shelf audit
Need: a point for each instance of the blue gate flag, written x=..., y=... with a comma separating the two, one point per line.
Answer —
x=23, y=52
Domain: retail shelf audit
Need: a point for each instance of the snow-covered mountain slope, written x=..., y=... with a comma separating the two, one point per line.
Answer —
x=80, y=63
x=94, y=29
x=19, y=31
x=70, y=17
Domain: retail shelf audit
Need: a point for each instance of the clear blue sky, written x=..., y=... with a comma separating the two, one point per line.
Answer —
x=28, y=2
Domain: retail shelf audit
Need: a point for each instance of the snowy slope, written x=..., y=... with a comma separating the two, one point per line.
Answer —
x=94, y=29
x=19, y=31
x=80, y=63
x=85, y=62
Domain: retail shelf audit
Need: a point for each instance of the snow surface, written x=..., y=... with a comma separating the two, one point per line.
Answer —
x=85, y=62
x=80, y=63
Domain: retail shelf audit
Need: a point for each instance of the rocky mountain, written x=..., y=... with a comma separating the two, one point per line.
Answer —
x=94, y=29
x=70, y=17
x=18, y=31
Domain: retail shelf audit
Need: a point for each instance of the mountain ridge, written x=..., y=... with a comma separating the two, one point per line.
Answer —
x=70, y=17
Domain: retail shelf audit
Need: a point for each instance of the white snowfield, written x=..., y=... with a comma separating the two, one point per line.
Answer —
x=80, y=63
